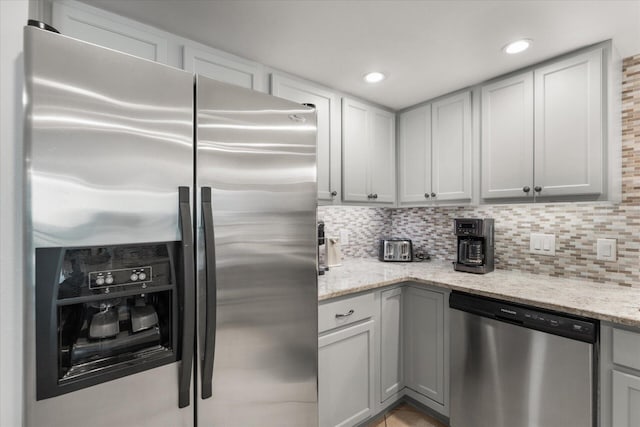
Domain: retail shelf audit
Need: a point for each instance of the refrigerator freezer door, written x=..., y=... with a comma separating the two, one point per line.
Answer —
x=108, y=142
x=257, y=153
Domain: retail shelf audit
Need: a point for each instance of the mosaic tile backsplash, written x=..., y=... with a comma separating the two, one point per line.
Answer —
x=365, y=227
x=577, y=226
x=631, y=130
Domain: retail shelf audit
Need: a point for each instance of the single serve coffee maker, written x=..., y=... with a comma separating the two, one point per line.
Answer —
x=475, y=245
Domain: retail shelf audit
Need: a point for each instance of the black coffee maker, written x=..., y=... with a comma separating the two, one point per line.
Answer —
x=475, y=245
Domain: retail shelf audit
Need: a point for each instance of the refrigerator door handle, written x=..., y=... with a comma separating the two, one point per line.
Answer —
x=211, y=289
x=188, y=294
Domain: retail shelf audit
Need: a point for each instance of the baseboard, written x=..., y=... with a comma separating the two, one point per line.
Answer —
x=404, y=397
x=427, y=410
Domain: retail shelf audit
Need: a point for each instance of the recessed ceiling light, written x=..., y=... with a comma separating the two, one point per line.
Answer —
x=374, y=77
x=517, y=46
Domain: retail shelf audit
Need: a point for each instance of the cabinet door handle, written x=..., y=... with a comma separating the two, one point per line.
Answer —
x=375, y=195
x=426, y=195
x=347, y=314
x=433, y=194
x=369, y=196
x=334, y=193
x=526, y=189
x=537, y=189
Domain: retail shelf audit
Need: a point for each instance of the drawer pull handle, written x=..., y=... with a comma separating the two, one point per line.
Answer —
x=339, y=315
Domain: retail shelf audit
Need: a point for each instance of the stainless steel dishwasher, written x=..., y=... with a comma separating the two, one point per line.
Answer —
x=517, y=366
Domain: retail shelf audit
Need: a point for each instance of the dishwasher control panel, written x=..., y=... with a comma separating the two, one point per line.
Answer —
x=565, y=325
x=548, y=321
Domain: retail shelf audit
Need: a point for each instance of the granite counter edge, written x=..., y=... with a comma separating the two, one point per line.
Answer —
x=595, y=314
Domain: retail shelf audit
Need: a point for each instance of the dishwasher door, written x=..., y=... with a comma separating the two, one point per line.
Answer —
x=503, y=375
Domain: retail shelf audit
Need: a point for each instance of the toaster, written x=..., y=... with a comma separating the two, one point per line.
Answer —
x=395, y=250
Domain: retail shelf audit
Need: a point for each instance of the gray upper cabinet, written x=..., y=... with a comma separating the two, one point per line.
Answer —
x=436, y=151
x=562, y=153
x=96, y=27
x=328, y=112
x=568, y=126
x=106, y=29
x=507, y=138
x=414, y=150
x=368, y=153
x=224, y=67
x=451, y=147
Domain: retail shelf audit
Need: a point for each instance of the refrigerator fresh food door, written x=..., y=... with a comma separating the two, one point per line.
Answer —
x=108, y=143
x=258, y=319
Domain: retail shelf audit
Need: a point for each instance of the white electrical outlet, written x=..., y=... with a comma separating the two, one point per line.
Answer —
x=344, y=237
x=606, y=249
x=542, y=244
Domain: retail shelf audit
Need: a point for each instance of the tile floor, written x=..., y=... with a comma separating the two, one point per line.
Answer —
x=404, y=415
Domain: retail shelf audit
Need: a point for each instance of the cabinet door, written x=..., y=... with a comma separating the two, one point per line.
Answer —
x=415, y=155
x=345, y=376
x=327, y=106
x=424, y=342
x=507, y=138
x=390, y=343
x=97, y=28
x=355, y=153
x=382, y=158
x=626, y=400
x=568, y=126
x=451, y=147
x=223, y=67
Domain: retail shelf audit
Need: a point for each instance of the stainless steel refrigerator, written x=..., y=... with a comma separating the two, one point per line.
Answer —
x=171, y=246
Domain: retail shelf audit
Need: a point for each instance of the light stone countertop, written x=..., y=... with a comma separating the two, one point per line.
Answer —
x=604, y=301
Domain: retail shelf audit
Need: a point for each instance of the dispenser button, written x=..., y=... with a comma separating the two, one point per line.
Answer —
x=108, y=280
x=133, y=277
x=100, y=281
x=142, y=275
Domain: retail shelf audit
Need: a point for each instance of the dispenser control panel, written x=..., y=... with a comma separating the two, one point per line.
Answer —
x=121, y=277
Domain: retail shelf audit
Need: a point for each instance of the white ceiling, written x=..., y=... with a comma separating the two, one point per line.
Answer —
x=427, y=48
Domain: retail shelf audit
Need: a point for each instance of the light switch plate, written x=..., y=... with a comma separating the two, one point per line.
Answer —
x=606, y=250
x=542, y=244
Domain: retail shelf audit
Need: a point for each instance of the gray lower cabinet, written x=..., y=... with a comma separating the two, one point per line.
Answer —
x=391, y=378
x=619, y=376
x=346, y=375
x=376, y=347
x=626, y=400
x=424, y=342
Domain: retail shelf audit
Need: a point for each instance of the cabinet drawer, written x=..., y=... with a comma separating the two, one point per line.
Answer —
x=626, y=348
x=345, y=311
